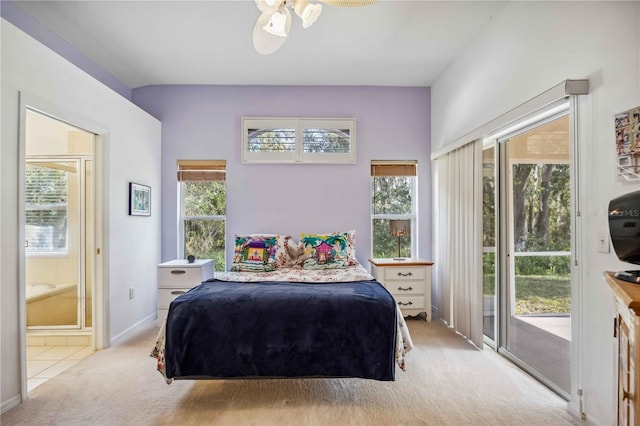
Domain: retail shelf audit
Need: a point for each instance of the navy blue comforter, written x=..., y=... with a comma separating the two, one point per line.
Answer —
x=225, y=329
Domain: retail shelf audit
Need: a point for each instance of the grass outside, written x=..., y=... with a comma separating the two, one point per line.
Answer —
x=538, y=294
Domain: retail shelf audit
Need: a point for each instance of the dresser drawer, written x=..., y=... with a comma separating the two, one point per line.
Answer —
x=410, y=302
x=404, y=273
x=166, y=295
x=402, y=288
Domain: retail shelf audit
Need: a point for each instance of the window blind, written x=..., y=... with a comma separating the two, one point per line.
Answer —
x=393, y=168
x=202, y=170
x=46, y=194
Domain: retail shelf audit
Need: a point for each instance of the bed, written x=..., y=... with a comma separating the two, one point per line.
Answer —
x=301, y=316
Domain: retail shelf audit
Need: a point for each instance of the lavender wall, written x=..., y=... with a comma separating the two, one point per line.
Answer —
x=204, y=122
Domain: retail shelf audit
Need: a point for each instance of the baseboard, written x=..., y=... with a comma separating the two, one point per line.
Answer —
x=10, y=403
x=147, y=322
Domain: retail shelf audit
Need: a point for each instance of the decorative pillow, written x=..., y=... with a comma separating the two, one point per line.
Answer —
x=351, y=247
x=287, y=250
x=254, y=253
x=324, y=251
x=295, y=251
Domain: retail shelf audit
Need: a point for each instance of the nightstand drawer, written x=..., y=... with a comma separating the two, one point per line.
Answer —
x=166, y=296
x=408, y=281
x=402, y=288
x=179, y=273
x=410, y=302
x=404, y=273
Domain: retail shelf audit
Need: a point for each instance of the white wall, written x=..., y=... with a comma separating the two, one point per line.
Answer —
x=529, y=48
x=131, y=146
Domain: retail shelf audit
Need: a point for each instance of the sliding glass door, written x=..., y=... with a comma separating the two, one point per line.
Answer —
x=489, y=294
x=529, y=259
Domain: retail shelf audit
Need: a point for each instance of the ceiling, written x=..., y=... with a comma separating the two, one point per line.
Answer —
x=390, y=43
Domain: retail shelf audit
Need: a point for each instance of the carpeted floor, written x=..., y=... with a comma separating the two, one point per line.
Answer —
x=447, y=382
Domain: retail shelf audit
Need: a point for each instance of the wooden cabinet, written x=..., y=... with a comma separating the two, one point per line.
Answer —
x=627, y=302
x=176, y=277
x=409, y=281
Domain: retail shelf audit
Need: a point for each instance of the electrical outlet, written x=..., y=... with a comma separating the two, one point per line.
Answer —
x=603, y=242
x=130, y=292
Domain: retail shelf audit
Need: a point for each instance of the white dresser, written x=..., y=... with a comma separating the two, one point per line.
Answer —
x=176, y=277
x=408, y=280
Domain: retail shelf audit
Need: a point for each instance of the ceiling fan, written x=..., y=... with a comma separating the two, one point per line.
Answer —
x=273, y=25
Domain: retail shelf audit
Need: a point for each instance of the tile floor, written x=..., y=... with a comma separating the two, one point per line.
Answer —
x=50, y=357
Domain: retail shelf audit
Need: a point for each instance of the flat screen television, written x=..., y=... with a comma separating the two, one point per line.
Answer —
x=624, y=228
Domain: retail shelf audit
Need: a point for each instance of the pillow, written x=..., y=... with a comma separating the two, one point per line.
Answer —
x=351, y=247
x=295, y=252
x=254, y=253
x=350, y=250
x=324, y=251
x=286, y=253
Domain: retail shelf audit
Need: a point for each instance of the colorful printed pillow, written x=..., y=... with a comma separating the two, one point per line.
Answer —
x=254, y=253
x=324, y=251
x=351, y=247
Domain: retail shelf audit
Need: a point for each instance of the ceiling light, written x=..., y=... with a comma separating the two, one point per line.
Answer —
x=277, y=24
x=266, y=42
x=308, y=12
x=268, y=6
x=272, y=26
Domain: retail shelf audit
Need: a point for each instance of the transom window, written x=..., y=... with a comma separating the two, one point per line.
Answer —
x=298, y=140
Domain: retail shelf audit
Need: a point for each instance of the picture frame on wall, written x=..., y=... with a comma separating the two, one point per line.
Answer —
x=139, y=199
x=627, y=139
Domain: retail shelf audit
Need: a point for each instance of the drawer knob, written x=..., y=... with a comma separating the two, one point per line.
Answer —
x=402, y=274
x=405, y=289
x=178, y=292
x=405, y=304
x=178, y=271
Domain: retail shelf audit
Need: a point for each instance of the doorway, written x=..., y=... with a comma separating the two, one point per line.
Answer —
x=59, y=245
x=528, y=249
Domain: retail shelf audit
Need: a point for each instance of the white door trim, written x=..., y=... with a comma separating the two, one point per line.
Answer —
x=100, y=301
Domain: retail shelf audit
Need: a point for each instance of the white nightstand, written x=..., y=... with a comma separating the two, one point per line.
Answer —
x=176, y=277
x=408, y=280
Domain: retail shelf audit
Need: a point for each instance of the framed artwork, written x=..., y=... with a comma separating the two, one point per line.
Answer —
x=139, y=199
x=627, y=137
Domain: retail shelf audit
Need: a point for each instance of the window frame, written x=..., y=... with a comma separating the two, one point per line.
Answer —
x=413, y=216
x=299, y=125
x=51, y=252
x=182, y=217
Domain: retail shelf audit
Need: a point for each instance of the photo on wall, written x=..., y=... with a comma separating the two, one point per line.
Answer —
x=139, y=199
x=627, y=137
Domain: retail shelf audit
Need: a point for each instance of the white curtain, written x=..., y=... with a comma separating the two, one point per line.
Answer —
x=458, y=239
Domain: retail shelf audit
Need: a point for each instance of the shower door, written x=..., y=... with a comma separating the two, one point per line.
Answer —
x=54, y=243
x=59, y=224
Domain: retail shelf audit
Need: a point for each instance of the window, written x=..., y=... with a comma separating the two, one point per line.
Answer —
x=203, y=206
x=298, y=140
x=46, y=199
x=393, y=196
